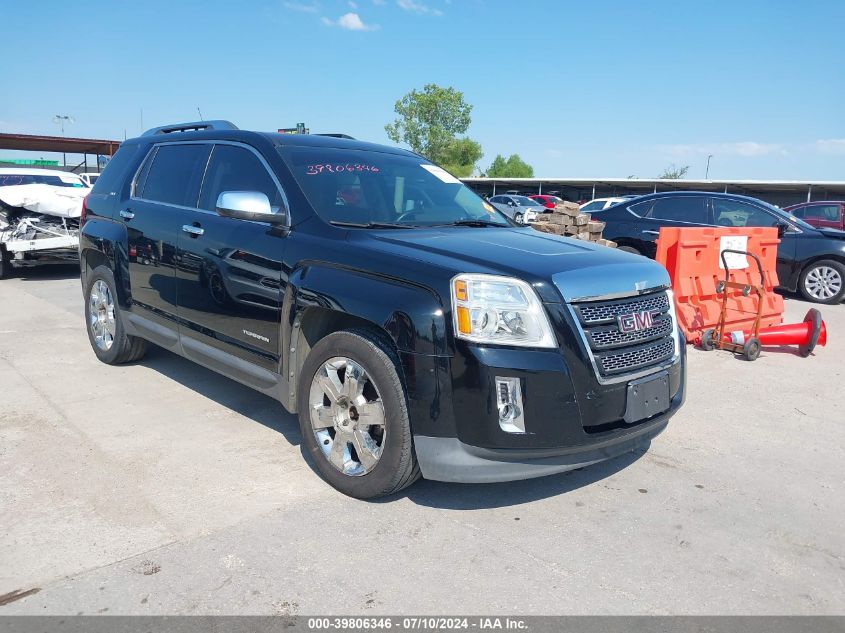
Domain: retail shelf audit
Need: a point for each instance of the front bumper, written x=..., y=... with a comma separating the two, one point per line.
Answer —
x=449, y=459
x=559, y=438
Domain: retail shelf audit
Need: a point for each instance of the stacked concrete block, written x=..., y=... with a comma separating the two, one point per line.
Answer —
x=566, y=219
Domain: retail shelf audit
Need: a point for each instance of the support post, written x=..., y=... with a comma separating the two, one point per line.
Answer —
x=809, y=192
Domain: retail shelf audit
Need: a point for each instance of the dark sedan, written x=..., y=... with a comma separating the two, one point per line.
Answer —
x=810, y=260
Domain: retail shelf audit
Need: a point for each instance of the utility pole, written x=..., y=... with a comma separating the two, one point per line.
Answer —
x=707, y=171
x=61, y=119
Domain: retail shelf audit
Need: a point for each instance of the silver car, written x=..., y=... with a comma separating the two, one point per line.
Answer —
x=521, y=209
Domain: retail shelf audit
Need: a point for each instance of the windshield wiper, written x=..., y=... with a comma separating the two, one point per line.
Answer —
x=471, y=222
x=372, y=225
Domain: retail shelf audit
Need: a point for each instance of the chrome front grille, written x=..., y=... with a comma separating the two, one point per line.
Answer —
x=605, y=337
x=606, y=311
x=628, y=360
x=618, y=353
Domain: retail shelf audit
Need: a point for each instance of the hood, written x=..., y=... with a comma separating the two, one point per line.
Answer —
x=579, y=269
x=835, y=233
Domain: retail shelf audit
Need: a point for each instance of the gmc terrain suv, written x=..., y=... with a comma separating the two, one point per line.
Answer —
x=413, y=328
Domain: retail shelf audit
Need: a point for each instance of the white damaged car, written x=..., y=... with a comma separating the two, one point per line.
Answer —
x=39, y=217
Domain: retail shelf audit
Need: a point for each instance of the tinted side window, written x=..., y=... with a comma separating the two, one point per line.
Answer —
x=738, y=213
x=680, y=209
x=233, y=168
x=828, y=212
x=175, y=174
x=113, y=176
x=594, y=206
x=798, y=212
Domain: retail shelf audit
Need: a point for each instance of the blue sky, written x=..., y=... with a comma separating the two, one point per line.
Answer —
x=578, y=89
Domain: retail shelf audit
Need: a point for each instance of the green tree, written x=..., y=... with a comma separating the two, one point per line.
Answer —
x=511, y=167
x=460, y=157
x=430, y=120
x=674, y=173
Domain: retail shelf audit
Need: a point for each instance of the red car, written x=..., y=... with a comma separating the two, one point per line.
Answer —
x=547, y=201
x=825, y=214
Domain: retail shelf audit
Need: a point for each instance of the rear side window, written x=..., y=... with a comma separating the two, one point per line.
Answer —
x=113, y=176
x=738, y=213
x=175, y=174
x=829, y=212
x=233, y=168
x=688, y=209
x=594, y=206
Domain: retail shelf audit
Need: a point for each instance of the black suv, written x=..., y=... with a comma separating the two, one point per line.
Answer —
x=413, y=328
x=810, y=260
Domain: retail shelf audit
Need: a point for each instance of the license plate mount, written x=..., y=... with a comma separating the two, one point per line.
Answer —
x=647, y=397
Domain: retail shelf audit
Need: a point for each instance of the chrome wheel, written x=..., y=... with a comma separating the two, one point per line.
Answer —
x=101, y=315
x=823, y=282
x=347, y=416
x=519, y=218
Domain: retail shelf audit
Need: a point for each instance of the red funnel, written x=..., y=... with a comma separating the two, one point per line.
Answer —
x=806, y=335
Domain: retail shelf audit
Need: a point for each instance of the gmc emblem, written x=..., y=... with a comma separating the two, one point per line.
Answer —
x=635, y=321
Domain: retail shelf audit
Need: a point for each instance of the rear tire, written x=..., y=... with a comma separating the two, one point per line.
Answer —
x=104, y=322
x=823, y=282
x=628, y=249
x=362, y=460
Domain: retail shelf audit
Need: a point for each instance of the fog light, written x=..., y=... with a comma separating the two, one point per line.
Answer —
x=509, y=404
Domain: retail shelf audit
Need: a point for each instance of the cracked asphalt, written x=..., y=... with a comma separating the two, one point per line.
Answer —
x=162, y=488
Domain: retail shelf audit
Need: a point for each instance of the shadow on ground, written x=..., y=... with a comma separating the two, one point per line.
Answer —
x=453, y=496
x=266, y=411
x=47, y=273
x=228, y=393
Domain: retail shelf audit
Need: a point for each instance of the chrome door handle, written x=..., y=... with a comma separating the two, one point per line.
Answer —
x=651, y=232
x=126, y=214
x=193, y=230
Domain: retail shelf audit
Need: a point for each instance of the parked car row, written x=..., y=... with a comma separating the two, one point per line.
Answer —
x=520, y=209
x=810, y=260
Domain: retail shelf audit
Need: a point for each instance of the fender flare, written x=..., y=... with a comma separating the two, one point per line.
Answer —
x=322, y=298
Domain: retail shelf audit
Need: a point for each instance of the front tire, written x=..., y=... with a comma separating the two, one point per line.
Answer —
x=108, y=338
x=353, y=415
x=628, y=249
x=823, y=282
x=5, y=265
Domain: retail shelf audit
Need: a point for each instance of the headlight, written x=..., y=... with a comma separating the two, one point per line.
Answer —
x=675, y=325
x=500, y=310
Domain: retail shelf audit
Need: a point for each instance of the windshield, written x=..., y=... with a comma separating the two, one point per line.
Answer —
x=10, y=180
x=363, y=187
x=525, y=201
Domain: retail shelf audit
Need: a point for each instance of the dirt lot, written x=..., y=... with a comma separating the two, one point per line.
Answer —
x=162, y=488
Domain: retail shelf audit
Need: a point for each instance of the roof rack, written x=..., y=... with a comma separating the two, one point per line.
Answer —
x=352, y=138
x=192, y=126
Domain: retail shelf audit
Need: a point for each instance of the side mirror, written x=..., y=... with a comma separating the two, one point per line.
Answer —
x=248, y=205
x=511, y=203
x=783, y=227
